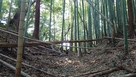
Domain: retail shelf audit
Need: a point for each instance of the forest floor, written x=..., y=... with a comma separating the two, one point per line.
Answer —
x=96, y=63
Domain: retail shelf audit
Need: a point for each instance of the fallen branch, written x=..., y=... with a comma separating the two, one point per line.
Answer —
x=130, y=75
x=27, y=44
x=31, y=44
x=13, y=68
x=133, y=40
x=107, y=71
x=28, y=65
x=96, y=73
x=128, y=69
x=75, y=41
x=104, y=72
x=89, y=72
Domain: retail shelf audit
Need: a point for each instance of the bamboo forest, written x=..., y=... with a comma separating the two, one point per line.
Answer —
x=67, y=38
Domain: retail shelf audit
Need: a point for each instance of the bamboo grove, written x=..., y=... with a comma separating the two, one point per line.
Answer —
x=62, y=20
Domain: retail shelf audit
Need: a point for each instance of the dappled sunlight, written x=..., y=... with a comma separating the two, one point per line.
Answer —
x=75, y=63
x=64, y=61
x=133, y=52
x=92, y=61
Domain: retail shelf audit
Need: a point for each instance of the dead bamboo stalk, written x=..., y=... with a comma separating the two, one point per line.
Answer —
x=27, y=65
x=13, y=68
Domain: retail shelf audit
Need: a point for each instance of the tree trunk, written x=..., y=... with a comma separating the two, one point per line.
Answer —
x=20, y=39
x=37, y=20
x=131, y=27
x=0, y=6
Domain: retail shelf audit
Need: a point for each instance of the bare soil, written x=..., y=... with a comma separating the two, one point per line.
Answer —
x=49, y=63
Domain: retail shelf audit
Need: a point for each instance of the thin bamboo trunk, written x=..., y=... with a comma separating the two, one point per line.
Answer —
x=13, y=68
x=84, y=26
x=131, y=19
x=50, y=20
x=9, y=14
x=0, y=5
x=63, y=23
x=20, y=39
x=104, y=22
x=111, y=24
x=89, y=25
x=78, y=34
x=75, y=22
x=124, y=27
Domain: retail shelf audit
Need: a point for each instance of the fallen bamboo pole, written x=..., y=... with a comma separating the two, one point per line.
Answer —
x=30, y=44
x=68, y=41
x=13, y=68
x=121, y=39
x=27, y=65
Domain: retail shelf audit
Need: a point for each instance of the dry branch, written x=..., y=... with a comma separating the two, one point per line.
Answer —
x=31, y=44
x=98, y=73
x=28, y=44
x=104, y=72
x=13, y=68
x=107, y=71
x=128, y=69
x=121, y=39
x=130, y=75
x=74, y=41
x=27, y=65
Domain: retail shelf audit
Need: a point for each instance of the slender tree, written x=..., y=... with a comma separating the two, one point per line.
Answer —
x=14, y=22
x=63, y=22
x=37, y=20
x=72, y=24
x=0, y=5
x=75, y=21
x=89, y=25
x=50, y=20
x=84, y=24
x=6, y=35
x=131, y=19
x=9, y=14
x=20, y=39
x=124, y=27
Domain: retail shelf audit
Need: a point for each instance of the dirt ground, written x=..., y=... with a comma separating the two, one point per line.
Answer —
x=44, y=62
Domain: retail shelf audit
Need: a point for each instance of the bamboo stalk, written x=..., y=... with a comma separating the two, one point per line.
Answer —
x=111, y=24
x=0, y=6
x=50, y=20
x=75, y=21
x=20, y=39
x=27, y=65
x=13, y=68
x=124, y=28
